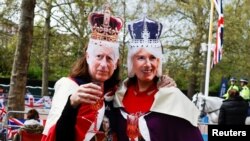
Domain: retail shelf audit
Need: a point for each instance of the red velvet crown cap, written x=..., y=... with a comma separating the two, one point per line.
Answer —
x=97, y=18
x=104, y=25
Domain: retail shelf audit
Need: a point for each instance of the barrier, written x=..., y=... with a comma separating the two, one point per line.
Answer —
x=204, y=131
x=203, y=126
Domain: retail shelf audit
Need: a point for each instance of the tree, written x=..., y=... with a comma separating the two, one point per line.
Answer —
x=46, y=48
x=22, y=56
x=185, y=27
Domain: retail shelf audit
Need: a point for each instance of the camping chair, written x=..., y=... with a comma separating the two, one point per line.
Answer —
x=26, y=136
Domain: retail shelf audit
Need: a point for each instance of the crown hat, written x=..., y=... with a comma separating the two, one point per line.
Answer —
x=105, y=30
x=145, y=33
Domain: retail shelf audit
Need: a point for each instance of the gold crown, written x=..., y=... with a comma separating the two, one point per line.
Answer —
x=102, y=33
x=105, y=26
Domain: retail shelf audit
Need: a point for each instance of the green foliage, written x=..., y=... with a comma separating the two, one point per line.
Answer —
x=34, y=72
x=186, y=23
x=62, y=53
x=236, y=49
x=177, y=71
x=6, y=56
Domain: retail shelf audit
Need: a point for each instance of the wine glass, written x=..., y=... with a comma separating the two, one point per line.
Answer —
x=96, y=107
x=132, y=126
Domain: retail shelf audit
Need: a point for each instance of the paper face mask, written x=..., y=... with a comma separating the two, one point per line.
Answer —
x=104, y=36
x=107, y=54
x=102, y=63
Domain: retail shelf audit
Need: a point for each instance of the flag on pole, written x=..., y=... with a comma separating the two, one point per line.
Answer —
x=219, y=34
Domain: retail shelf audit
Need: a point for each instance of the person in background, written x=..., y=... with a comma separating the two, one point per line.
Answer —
x=233, y=85
x=31, y=124
x=244, y=92
x=143, y=110
x=233, y=110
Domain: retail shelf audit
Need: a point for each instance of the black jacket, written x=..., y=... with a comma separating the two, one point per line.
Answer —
x=233, y=111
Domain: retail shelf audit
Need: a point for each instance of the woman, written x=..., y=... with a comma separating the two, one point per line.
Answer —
x=144, y=111
x=31, y=124
x=72, y=116
x=233, y=110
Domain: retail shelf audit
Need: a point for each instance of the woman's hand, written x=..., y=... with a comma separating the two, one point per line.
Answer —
x=166, y=81
x=86, y=93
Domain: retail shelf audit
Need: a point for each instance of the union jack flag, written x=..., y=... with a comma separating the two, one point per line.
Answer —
x=219, y=34
x=14, y=124
x=2, y=114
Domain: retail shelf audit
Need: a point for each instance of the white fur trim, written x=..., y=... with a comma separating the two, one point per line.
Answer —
x=173, y=102
x=64, y=87
x=31, y=122
x=170, y=101
x=144, y=128
x=145, y=43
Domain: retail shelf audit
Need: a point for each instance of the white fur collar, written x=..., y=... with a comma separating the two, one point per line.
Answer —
x=169, y=101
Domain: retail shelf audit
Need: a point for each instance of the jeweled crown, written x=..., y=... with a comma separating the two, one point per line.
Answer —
x=104, y=25
x=145, y=32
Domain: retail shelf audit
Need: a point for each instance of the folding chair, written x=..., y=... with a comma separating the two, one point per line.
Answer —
x=26, y=136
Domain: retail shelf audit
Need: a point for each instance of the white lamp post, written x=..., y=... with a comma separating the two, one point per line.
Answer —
x=209, y=47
